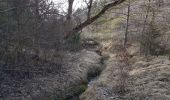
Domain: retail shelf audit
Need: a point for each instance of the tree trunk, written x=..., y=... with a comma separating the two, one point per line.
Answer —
x=127, y=25
x=89, y=9
x=70, y=9
x=142, y=44
x=68, y=23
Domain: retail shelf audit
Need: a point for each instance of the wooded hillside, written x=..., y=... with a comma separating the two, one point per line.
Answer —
x=84, y=50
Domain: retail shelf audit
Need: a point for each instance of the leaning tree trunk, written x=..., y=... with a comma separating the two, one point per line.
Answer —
x=92, y=19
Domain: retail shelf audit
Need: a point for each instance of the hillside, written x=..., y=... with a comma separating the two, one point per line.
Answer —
x=84, y=50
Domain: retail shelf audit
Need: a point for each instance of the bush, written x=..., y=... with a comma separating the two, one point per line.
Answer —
x=74, y=42
x=150, y=42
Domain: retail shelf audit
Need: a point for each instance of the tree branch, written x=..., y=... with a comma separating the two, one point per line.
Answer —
x=92, y=19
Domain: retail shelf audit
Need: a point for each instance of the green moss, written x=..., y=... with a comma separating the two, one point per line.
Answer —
x=74, y=39
x=116, y=21
x=75, y=91
x=74, y=42
x=111, y=23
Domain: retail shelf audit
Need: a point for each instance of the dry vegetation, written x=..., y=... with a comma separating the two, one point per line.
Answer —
x=128, y=77
x=71, y=79
x=108, y=50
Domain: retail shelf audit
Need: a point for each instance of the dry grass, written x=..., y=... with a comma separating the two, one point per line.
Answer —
x=113, y=79
x=70, y=80
x=150, y=79
x=111, y=83
x=145, y=79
